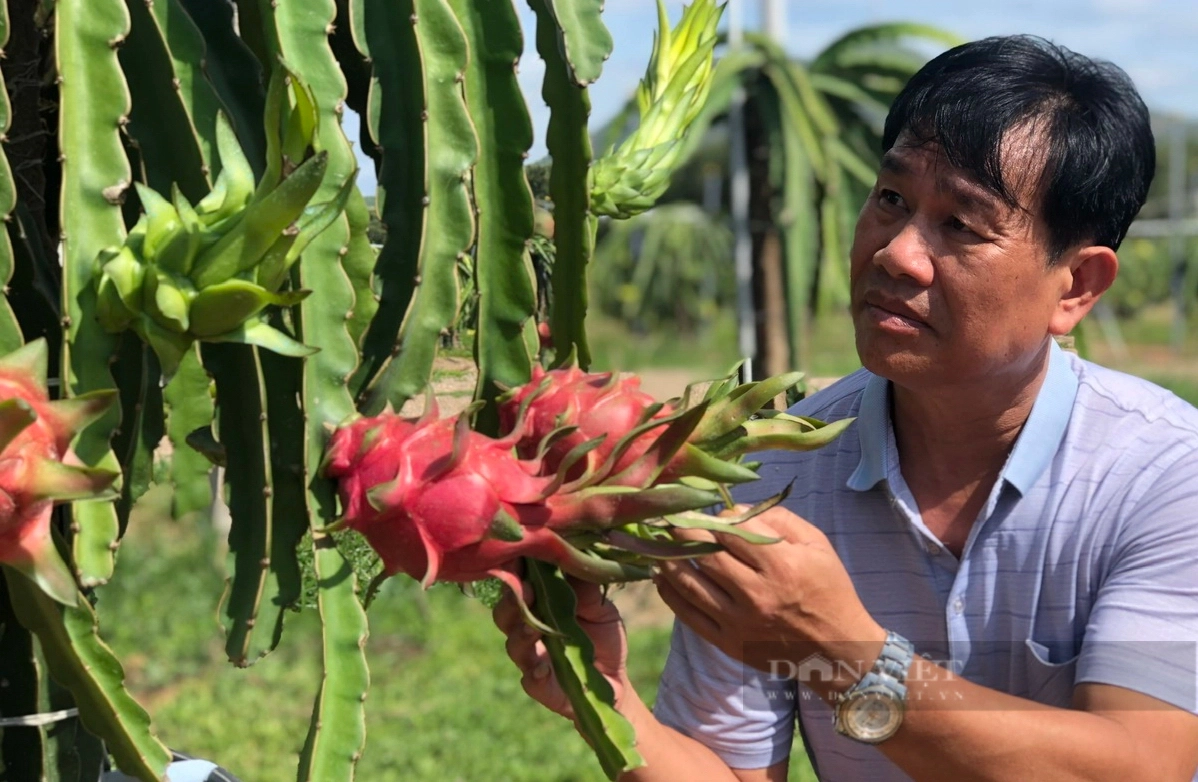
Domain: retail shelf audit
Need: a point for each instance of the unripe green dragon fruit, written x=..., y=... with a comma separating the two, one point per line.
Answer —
x=441, y=502
x=629, y=180
x=38, y=469
x=208, y=272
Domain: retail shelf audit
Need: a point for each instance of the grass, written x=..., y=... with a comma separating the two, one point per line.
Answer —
x=714, y=349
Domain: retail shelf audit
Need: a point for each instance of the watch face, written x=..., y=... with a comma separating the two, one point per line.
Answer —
x=872, y=716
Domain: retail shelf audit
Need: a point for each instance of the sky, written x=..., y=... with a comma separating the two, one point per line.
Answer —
x=1155, y=41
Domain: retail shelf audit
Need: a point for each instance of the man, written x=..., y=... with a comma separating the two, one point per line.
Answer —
x=993, y=574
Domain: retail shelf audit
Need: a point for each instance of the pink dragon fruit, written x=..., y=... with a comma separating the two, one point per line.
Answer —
x=38, y=469
x=441, y=502
x=596, y=405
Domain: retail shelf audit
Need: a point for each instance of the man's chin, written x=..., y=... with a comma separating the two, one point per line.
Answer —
x=896, y=364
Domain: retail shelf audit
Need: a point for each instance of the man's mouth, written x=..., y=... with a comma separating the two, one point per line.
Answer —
x=895, y=312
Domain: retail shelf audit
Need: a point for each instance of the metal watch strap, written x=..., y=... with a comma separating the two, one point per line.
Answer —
x=889, y=672
x=892, y=665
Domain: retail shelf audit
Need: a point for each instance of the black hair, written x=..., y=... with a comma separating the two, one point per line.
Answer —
x=1098, y=151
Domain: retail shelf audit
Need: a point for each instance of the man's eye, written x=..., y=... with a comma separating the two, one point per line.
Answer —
x=890, y=197
x=955, y=224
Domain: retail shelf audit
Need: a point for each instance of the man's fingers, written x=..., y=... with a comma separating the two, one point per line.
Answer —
x=696, y=586
x=507, y=613
x=686, y=612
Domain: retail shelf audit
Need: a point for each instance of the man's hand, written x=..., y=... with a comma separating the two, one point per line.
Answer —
x=775, y=603
x=599, y=619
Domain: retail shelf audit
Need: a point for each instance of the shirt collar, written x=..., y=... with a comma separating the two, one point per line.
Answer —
x=1033, y=451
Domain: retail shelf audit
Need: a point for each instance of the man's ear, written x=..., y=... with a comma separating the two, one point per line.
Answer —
x=1086, y=273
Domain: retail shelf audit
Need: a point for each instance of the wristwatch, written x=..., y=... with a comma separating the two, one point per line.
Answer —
x=872, y=709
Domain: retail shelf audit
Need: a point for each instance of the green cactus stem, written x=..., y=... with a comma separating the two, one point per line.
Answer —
x=141, y=421
x=503, y=201
x=242, y=430
x=234, y=73
x=79, y=660
x=585, y=42
x=569, y=144
x=94, y=103
x=393, y=118
x=174, y=106
x=452, y=148
x=573, y=656
x=189, y=406
x=337, y=731
x=10, y=330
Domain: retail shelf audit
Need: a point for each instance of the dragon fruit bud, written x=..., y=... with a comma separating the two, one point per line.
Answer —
x=597, y=404
x=38, y=469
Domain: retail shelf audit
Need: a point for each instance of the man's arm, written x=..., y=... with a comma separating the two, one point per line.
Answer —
x=671, y=756
x=762, y=604
x=955, y=730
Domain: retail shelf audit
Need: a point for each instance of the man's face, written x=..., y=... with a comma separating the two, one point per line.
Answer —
x=950, y=285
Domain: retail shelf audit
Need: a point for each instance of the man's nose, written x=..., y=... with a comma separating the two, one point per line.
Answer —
x=908, y=254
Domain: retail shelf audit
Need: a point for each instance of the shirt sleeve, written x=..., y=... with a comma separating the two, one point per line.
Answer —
x=744, y=715
x=1142, y=632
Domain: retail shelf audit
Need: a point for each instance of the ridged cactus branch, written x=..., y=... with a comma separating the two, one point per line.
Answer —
x=448, y=234
x=10, y=330
x=359, y=262
x=503, y=201
x=234, y=72
x=93, y=105
x=584, y=40
x=189, y=407
x=137, y=377
x=80, y=660
x=241, y=428
x=394, y=110
x=337, y=730
x=283, y=377
x=174, y=106
x=569, y=144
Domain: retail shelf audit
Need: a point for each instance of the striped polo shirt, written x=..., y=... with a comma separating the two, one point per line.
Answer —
x=1082, y=566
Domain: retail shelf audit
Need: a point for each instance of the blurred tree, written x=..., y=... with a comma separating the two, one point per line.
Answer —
x=813, y=133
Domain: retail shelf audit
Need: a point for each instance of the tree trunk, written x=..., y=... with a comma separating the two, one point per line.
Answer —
x=769, y=282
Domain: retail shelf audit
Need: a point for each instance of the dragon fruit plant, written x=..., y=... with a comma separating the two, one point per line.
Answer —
x=590, y=476
x=237, y=311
